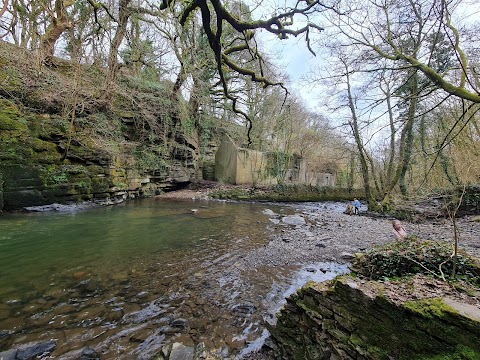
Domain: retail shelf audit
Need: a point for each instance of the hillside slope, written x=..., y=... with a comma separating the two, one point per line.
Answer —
x=123, y=145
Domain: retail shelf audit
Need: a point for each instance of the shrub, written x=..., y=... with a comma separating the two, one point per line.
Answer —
x=411, y=256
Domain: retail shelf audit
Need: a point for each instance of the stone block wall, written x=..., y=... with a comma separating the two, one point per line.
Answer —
x=344, y=319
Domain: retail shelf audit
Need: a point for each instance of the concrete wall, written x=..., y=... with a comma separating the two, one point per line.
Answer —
x=226, y=161
x=320, y=179
x=252, y=168
x=237, y=165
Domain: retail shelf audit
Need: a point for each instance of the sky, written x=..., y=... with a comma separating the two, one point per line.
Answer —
x=293, y=58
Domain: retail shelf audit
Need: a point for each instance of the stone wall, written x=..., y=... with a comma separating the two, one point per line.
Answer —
x=239, y=166
x=353, y=319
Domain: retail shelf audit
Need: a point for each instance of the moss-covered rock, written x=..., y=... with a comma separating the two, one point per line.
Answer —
x=349, y=318
x=50, y=152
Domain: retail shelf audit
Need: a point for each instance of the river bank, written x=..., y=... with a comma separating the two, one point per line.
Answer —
x=320, y=232
x=221, y=291
x=326, y=228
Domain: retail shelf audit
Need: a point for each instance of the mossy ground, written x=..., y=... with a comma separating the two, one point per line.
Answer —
x=413, y=255
x=288, y=193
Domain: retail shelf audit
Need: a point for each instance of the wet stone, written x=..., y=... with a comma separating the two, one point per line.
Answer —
x=181, y=352
x=114, y=314
x=8, y=355
x=87, y=286
x=235, y=344
x=32, y=350
x=142, y=294
x=179, y=323
x=185, y=339
x=244, y=309
x=294, y=220
x=5, y=333
x=143, y=315
x=89, y=354
x=141, y=335
x=169, y=330
x=151, y=346
x=64, y=309
x=90, y=313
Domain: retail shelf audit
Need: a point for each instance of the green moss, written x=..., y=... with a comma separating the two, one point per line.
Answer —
x=100, y=184
x=412, y=256
x=461, y=352
x=10, y=117
x=10, y=78
x=53, y=175
x=430, y=308
x=288, y=193
x=364, y=348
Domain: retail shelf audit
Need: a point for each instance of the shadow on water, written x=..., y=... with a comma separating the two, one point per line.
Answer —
x=126, y=280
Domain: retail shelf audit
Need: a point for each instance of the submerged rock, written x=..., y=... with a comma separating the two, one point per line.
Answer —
x=181, y=352
x=269, y=212
x=293, y=220
x=29, y=351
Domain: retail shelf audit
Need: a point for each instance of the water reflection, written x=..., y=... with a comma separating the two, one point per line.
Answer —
x=126, y=280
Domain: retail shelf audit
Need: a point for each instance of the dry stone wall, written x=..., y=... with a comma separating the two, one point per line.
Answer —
x=345, y=319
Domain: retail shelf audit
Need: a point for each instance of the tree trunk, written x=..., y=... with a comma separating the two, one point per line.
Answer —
x=358, y=141
x=123, y=16
x=391, y=156
x=406, y=142
x=58, y=25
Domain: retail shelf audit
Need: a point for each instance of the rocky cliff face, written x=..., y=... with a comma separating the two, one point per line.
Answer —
x=352, y=319
x=61, y=142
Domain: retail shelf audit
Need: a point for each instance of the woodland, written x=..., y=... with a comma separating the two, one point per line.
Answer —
x=400, y=88
x=108, y=100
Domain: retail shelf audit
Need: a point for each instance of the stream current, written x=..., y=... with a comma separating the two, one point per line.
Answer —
x=126, y=280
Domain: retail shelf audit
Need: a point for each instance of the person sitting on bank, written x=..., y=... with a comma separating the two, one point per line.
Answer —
x=398, y=230
x=356, y=206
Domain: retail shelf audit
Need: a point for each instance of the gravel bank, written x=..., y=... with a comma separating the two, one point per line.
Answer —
x=328, y=235
x=319, y=232
x=326, y=232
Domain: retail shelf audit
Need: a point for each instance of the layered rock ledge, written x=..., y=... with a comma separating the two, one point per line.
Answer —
x=350, y=318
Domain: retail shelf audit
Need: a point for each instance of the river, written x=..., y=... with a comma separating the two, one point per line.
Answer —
x=124, y=281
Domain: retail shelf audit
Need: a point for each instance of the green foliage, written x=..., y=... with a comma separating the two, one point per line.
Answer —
x=471, y=199
x=140, y=52
x=151, y=157
x=10, y=77
x=54, y=175
x=411, y=256
x=10, y=117
x=146, y=85
x=278, y=163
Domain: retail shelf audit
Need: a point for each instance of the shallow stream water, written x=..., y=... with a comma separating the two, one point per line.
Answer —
x=126, y=280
